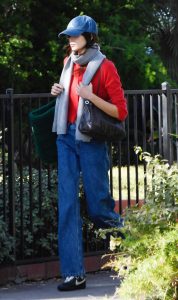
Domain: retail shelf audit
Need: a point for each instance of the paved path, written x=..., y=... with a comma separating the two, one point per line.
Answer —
x=100, y=285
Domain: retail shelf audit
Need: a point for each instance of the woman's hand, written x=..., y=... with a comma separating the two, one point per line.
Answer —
x=84, y=91
x=56, y=89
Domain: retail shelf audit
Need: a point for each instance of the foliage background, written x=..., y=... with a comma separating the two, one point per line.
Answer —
x=148, y=255
x=139, y=36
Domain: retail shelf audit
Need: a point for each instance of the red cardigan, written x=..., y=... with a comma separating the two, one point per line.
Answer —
x=108, y=87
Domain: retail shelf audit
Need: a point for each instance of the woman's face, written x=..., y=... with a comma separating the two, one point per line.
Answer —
x=77, y=43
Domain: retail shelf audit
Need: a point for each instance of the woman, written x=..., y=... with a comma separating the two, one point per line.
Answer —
x=86, y=74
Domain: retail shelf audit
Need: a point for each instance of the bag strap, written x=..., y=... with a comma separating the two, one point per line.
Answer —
x=98, y=86
x=99, y=79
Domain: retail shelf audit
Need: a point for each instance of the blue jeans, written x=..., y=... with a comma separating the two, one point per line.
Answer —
x=90, y=160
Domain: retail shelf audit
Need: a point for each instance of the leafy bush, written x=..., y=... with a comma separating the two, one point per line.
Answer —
x=39, y=214
x=36, y=233
x=35, y=216
x=147, y=260
x=6, y=242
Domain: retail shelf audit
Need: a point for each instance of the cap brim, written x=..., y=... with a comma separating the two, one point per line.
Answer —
x=71, y=32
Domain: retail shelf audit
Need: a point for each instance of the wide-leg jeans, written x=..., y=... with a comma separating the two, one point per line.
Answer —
x=89, y=159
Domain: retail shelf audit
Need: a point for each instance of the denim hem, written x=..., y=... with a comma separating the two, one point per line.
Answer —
x=74, y=274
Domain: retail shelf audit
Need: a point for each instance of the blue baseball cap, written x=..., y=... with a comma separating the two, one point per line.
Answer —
x=79, y=25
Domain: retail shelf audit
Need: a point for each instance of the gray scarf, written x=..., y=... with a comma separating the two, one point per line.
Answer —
x=93, y=58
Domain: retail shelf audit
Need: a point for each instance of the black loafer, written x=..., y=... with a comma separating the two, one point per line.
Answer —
x=72, y=283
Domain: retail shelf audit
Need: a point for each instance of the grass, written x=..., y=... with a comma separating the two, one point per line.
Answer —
x=125, y=185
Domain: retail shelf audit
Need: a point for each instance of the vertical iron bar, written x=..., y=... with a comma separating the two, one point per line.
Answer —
x=160, y=124
x=176, y=124
x=151, y=125
x=40, y=199
x=49, y=177
x=21, y=182
x=167, y=119
x=3, y=160
x=128, y=155
x=119, y=178
x=144, y=140
x=136, y=143
x=11, y=173
x=143, y=122
x=110, y=170
x=49, y=168
x=30, y=177
x=40, y=186
x=40, y=192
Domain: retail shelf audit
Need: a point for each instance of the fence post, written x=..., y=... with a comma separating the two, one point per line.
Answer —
x=176, y=123
x=11, y=175
x=167, y=118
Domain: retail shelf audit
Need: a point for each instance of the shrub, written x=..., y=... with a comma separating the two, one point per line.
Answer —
x=36, y=233
x=6, y=243
x=35, y=217
x=147, y=260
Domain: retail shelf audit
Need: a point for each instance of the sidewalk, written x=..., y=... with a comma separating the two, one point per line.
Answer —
x=100, y=285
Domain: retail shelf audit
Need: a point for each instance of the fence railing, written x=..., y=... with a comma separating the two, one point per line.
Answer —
x=28, y=187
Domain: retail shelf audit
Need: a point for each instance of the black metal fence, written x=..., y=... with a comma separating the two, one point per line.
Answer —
x=28, y=187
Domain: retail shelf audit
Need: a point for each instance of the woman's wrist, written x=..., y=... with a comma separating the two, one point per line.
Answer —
x=91, y=96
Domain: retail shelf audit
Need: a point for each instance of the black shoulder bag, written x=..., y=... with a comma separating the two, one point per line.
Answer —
x=96, y=123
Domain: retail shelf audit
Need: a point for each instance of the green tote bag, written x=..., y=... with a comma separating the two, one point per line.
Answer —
x=41, y=120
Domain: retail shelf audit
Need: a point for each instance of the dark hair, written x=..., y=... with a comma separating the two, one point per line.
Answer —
x=91, y=39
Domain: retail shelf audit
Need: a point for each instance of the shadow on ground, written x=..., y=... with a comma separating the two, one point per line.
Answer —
x=100, y=285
